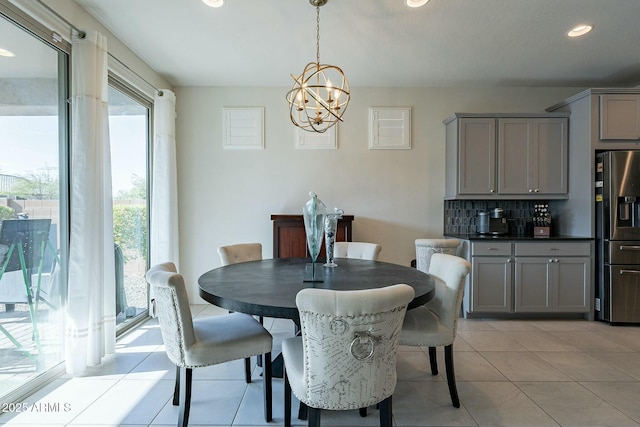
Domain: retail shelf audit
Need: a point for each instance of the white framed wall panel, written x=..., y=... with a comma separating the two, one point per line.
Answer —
x=328, y=140
x=243, y=128
x=389, y=128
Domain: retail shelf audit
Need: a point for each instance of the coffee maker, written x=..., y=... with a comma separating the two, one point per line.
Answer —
x=492, y=222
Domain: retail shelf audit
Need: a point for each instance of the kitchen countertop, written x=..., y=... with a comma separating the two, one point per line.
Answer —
x=510, y=237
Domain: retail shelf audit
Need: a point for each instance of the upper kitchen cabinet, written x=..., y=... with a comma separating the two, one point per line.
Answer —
x=506, y=156
x=619, y=117
x=532, y=156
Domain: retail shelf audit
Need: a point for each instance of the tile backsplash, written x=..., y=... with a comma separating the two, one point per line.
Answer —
x=460, y=215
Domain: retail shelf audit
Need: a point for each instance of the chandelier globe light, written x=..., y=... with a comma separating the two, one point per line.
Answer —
x=320, y=95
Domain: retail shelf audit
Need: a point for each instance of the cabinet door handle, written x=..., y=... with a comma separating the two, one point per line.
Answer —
x=492, y=190
x=629, y=272
x=530, y=190
x=554, y=249
x=537, y=190
x=629, y=248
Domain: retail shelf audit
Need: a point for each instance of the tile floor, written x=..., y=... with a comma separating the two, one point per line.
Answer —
x=509, y=373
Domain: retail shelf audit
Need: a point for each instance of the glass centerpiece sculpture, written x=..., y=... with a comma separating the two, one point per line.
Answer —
x=313, y=213
x=330, y=227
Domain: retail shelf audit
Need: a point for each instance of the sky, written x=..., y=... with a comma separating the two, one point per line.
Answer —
x=29, y=145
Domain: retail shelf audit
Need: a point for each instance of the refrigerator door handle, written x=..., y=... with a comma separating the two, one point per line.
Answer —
x=629, y=248
x=629, y=272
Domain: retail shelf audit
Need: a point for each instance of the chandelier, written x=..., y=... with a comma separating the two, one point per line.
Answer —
x=320, y=95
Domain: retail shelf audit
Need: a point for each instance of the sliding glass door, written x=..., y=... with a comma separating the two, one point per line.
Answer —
x=129, y=124
x=33, y=213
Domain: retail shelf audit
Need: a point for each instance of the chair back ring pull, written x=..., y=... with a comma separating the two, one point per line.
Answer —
x=363, y=345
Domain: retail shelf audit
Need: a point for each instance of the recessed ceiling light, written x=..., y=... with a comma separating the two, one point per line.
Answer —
x=580, y=30
x=7, y=53
x=416, y=3
x=213, y=3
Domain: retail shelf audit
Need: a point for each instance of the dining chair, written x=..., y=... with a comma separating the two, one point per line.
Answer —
x=346, y=355
x=435, y=323
x=241, y=252
x=194, y=343
x=359, y=250
x=425, y=248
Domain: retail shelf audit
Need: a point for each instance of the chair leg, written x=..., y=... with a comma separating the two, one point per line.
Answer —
x=176, y=388
x=363, y=412
x=185, y=404
x=303, y=411
x=259, y=356
x=386, y=413
x=247, y=370
x=433, y=361
x=451, y=377
x=314, y=417
x=287, y=399
x=266, y=385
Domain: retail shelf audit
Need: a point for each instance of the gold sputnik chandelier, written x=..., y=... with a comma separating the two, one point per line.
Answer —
x=320, y=95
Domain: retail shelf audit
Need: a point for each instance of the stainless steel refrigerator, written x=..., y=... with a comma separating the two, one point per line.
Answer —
x=618, y=236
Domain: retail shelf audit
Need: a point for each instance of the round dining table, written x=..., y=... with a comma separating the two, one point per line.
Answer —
x=268, y=287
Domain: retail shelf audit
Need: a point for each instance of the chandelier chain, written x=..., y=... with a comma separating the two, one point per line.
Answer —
x=318, y=34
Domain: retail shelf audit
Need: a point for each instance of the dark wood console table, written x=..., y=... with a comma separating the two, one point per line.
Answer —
x=290, y=239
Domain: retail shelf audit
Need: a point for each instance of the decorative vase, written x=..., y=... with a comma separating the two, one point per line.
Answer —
x=330, y=227
x=313, y=213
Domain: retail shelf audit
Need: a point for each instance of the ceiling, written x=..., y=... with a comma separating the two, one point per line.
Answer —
x=382, y=43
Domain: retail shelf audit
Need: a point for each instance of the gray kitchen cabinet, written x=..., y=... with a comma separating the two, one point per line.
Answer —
x=619, y=117
x=492, y=279
x=491, y=283
x=532, y=156
x=552, y=277
x=471, y=157
x=506, y=156
x=547, y=276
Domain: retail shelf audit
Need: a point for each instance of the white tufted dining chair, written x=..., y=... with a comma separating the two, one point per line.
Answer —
x=359, y=250
x=435, y=323
x=241, y=252
x=194, y=343
x=425, y=248
x=346, y=356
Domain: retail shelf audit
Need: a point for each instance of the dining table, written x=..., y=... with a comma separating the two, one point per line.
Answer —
x=268, y=287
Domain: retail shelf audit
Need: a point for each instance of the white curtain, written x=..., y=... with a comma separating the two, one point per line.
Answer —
x=90, y=326
x=164, y=195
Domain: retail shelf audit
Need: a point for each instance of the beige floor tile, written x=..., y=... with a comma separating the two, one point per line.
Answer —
x=623, y=396
x=421, y=403
x=540, y=341
x=514, y=325
x=490, y=341
x=591, y=340
x=523, y=366
x=501, y=404
x=571, y=404
x=583, y=367
x=625, y=361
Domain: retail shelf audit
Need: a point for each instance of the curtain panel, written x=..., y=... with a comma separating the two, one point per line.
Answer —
x=90, y=322
x=164, y=193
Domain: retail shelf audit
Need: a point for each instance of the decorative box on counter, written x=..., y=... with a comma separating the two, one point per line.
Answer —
x=542, y=231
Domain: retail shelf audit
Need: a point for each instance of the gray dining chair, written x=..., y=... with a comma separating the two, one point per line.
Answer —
x=346, y=355
x=358, y=250
x=194, y=343
x=435, y=323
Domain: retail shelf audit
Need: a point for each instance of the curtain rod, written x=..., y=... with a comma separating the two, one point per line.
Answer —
x=82, y=35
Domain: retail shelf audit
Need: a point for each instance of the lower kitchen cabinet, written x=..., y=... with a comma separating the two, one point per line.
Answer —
x=550, y=276
x=552, y=284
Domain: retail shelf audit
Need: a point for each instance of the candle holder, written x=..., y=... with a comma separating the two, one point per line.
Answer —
x=330, y=227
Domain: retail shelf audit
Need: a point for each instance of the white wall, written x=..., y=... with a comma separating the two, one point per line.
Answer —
x=396, y=196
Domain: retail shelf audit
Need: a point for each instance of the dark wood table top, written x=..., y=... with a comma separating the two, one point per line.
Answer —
x=268, y=288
